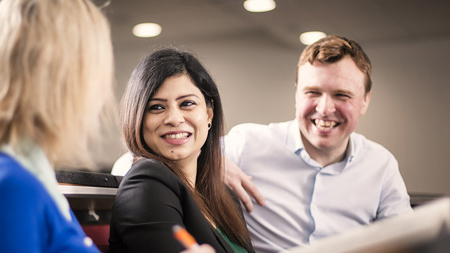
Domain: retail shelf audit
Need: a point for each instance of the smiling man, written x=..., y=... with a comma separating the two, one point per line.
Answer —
x=314, y=177
x=330, y=98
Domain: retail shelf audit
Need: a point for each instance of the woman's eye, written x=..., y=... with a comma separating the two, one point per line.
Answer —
x=155, y=107
x=187, y=103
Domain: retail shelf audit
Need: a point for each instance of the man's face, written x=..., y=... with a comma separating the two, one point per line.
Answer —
x=330, y=98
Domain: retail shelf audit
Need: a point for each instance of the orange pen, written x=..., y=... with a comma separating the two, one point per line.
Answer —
x=183, y=236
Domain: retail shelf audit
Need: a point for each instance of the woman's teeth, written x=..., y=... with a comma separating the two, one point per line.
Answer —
x=324, y=125
x=177, y=136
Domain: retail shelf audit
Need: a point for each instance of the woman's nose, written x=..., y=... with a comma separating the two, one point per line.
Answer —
x=174, y=117
x=325, y=105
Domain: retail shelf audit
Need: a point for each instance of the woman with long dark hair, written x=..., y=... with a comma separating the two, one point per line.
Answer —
x=172, y=121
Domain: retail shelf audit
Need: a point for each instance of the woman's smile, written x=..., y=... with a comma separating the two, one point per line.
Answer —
x=177, y=138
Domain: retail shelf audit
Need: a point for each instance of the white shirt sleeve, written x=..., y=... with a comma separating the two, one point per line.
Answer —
x=122, y=165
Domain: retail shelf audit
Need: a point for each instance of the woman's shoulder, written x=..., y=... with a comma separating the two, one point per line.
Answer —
x=151, y=168
x=15, y=179
x=148, y=191
x=151, y=173
x=17, y=183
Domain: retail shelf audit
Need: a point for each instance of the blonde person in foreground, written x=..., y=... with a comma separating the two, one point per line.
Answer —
x=56, y=70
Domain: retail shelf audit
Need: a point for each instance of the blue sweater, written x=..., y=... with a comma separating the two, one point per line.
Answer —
x=30, y=220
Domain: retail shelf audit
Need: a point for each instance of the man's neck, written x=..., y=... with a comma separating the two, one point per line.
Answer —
x=326, y=156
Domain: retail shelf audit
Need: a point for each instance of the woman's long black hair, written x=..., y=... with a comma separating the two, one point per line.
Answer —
x=210, y=193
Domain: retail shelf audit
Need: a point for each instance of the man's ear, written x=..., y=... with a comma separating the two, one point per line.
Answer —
x=366, y=102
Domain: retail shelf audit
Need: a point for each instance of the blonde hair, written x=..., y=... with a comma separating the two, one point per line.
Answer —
x=56, y=74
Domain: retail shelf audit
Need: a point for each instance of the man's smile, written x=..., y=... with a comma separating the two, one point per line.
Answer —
x=325, y=124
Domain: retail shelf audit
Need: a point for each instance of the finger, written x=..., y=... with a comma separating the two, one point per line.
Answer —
x=251, y=189
x=244, y=197
x=248, y=204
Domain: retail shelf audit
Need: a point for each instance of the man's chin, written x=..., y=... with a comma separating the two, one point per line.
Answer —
x=324, y=142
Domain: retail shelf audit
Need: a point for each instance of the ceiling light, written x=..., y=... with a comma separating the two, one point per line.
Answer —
x=308, y=38
x=146, y=30
x=259, y=5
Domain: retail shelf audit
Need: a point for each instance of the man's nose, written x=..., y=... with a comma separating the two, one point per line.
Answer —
x=325, y=105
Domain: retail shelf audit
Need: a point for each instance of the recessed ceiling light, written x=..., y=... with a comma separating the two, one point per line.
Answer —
x=308, y=38
x=146, y=30
x=259, y=5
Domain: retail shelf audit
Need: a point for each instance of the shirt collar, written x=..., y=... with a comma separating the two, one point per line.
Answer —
x=33, y=159
x=295, y=143
x=350, y=153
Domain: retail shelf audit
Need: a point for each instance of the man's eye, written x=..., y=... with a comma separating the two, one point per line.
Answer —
x=155, y=108
x=310, y=92
x=342, y=96
x=187, y=103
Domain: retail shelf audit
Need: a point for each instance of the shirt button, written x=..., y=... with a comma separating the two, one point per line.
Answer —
x=314, y=207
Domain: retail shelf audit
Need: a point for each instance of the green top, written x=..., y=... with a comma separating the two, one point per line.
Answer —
x=236, y=248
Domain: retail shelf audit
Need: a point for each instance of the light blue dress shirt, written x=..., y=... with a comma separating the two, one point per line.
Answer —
x=305, y=201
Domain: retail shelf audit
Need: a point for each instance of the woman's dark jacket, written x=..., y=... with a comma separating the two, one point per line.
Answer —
x=151, y=199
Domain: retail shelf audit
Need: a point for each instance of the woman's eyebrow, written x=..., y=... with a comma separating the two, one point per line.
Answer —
x=178, y=98
x=158, y=99
x=185, y=96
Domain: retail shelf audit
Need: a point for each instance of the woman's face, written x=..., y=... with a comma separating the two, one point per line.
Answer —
x=176, y=120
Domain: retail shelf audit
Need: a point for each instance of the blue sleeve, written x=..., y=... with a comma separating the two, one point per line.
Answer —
x=21, y=216
x=30, y=220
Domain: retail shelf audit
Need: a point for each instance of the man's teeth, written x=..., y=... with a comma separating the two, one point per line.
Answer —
x=324, y=125
x=177, y=136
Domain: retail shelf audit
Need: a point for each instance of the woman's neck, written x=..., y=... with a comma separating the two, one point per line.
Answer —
x=189, y=169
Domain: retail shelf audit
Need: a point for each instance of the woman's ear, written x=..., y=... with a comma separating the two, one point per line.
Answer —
x=210, y=111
